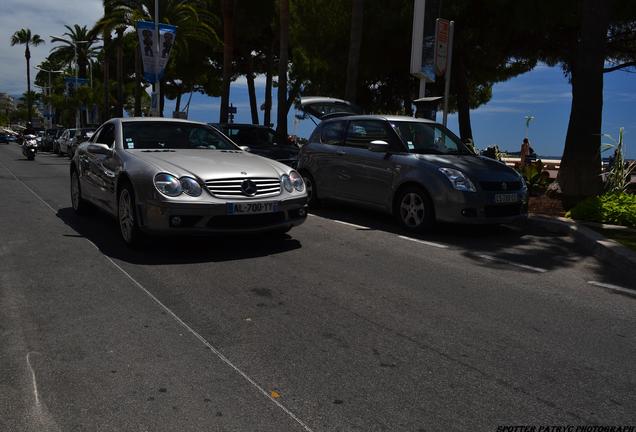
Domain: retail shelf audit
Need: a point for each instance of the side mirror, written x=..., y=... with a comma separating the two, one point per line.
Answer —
x=379, y=146
x=101, y=149
x=245, y=148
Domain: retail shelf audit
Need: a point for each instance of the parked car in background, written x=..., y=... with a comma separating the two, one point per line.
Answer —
x=172, y=176
x=261, y=140
x=63, y=142
x=415, y=169
x=6, y=138
x=82, y=135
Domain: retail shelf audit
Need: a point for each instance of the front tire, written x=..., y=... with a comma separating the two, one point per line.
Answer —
x=312, y=191
x=128, y=226
x=80, y=205
x=414, y=209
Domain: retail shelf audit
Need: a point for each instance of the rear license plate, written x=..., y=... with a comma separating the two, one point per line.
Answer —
x=506, y=198
x=252, y=208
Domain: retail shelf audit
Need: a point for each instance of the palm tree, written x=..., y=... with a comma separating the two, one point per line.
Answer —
x=77, y=38
x=24, y=37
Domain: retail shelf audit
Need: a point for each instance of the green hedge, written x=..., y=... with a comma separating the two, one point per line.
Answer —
x=613, y=208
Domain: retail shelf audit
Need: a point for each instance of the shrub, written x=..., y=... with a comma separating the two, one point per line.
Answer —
x=536, y=177
x=611, y=208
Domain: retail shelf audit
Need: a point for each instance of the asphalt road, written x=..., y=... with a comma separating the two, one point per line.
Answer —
x=346, y=325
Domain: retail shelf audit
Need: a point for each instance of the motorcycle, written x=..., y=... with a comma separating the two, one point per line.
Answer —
x=29, y=146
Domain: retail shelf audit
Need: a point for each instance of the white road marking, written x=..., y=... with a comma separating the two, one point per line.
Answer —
x=178, y=320
x=351, y=225
x=41, y=414
x=523, y=266
x=613, y=287
x=437, y=245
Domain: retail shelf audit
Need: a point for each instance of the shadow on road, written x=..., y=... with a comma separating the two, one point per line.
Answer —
x=103, y=231
x=521, y=244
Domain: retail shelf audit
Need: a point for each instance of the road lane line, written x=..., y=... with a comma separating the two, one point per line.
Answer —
x=428, y=243
x=180, y=321
x=512, y=263
x=612, y=287
x=352, y=225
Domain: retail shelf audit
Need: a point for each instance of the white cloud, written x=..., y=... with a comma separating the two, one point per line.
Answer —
x=496, y=110
x=43, y=17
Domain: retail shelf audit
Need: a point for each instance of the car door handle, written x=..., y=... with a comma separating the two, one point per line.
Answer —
x=341, y=153
x=109, y=173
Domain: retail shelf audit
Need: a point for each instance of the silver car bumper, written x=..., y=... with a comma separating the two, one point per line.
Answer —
x=481, y=208
x=182, y=218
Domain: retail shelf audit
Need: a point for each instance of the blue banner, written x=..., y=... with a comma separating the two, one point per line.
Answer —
x=155, y=51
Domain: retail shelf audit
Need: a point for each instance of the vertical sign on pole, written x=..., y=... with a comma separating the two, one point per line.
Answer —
x=156, y=47
x=444, y=30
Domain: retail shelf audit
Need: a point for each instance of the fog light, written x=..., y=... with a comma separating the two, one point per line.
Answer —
x=301, y=212
x=175, y=221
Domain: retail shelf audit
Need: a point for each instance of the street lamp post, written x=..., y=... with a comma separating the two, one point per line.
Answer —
x=50, y=107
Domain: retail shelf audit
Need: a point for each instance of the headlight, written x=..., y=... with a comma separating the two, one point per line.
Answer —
x=287, y=183
x=168, y=185
x=297, y=181
x=190, y=186
x=458, y=179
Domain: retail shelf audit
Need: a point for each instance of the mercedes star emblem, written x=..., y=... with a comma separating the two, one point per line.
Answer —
x=248, y=187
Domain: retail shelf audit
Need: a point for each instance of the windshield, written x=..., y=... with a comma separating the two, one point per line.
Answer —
x=429, y=138
x=172, y=135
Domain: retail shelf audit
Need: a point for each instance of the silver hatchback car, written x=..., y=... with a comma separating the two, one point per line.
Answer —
x=413, y=168
x=174, y=176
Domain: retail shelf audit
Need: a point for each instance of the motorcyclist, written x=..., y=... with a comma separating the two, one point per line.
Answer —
x=28, y=130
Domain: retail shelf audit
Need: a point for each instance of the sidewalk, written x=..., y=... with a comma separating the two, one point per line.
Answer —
x=601, y=247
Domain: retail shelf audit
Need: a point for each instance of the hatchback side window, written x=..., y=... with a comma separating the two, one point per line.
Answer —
x=107, y=135
x=362, y=132
x=332, y=133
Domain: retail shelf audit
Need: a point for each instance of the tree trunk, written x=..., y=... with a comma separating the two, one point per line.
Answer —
x=579, y=174
x=177, y=105
x=267, y=119
x=106, y=66
x=228, y=51
x=27, y=55
x=463, y=103
x=162, y=99
x=137, y=82
x=120, y=73
x=252, y=93
x=281, y=118
x=354, y=50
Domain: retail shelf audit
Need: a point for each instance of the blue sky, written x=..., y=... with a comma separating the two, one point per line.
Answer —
x=543, y=93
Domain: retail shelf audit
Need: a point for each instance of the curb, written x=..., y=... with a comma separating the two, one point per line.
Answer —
x=604, y=249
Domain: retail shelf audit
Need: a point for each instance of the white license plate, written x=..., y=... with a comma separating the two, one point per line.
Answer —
x=506, y=198
x=252, y=208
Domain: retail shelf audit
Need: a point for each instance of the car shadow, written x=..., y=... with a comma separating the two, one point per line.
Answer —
x=488, y=245
x=103, y=231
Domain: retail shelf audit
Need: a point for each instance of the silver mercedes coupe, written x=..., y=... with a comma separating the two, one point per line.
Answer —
x=168, y=176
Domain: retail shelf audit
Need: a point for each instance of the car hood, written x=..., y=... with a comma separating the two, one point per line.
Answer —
x=211, y=164
x=476, y=167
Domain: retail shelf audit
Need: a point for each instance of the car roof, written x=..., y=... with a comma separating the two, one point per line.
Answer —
x=155, y=119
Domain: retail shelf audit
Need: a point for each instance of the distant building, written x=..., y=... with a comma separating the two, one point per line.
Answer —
x=7, y=103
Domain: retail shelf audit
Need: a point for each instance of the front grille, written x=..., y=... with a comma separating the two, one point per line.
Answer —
x=246, y=221
x=504, y=210
x=500, y=186
x=231, y=188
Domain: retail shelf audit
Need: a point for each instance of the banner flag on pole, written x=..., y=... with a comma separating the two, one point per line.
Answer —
x=70, y=83
x=147, y=40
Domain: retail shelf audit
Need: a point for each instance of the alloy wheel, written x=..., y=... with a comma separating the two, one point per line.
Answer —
x=412, y=210
x=126, y=221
